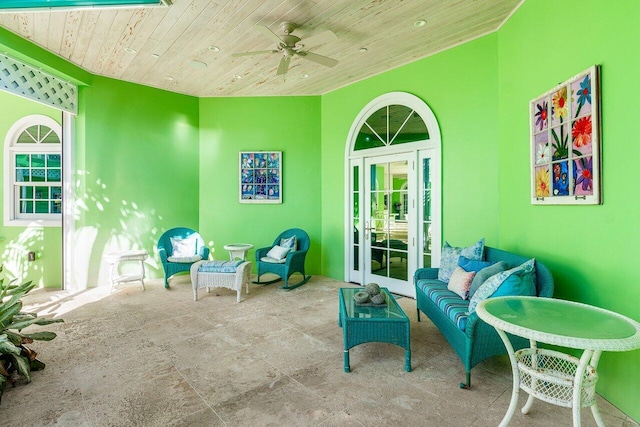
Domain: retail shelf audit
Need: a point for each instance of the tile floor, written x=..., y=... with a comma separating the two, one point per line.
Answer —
x=157, y=358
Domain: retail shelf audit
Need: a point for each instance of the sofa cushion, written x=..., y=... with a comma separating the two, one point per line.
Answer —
x=450, y=255
x=454, y=307
x=482, y=275
x=516, y=281
x=460, y=282
x=473, y=264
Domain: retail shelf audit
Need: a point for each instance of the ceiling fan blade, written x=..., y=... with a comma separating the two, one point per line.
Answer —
x=320, y=38
x=284, y=65
x=257, y=52
x=270, y=34
x=322, y=60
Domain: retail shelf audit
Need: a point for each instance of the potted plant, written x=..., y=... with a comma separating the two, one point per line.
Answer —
x=16, y=359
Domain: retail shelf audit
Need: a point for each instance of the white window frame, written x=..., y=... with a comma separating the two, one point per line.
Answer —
x=11, y=216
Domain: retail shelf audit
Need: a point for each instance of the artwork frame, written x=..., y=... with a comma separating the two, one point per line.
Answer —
x=260, y=177
x=565, y=142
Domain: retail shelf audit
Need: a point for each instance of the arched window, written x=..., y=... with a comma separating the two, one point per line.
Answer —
x=33, y=172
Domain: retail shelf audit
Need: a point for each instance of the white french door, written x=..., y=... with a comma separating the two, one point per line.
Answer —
x=389, y=245
x=392, y=193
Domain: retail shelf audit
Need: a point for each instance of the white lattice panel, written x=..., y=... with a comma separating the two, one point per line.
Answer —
x=24, y=80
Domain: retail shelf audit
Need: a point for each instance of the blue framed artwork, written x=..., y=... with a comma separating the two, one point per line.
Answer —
x=260, y=177
x=565, y=143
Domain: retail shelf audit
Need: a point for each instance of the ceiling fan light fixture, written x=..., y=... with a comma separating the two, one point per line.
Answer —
x=420, y=23
x=48, y=5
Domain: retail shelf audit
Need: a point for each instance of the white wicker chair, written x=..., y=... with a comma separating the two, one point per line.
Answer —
x=234, y=281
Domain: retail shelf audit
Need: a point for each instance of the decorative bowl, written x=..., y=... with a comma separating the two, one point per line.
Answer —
x=361, y=297
x=372, y=289
x=378, y=298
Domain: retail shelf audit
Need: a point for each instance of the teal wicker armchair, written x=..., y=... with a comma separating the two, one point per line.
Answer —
x=293, y=263
x=173, y=265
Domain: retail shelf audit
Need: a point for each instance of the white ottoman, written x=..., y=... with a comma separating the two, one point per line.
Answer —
x=220, y=274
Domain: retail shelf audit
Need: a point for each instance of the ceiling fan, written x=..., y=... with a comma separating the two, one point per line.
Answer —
x=288, y=45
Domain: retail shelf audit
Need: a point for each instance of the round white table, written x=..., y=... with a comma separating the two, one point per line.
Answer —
x=114, y=259
x=238, y=250
x=550, y=375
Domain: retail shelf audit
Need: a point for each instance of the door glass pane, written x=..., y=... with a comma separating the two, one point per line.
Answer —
x=389, y=238
x=426, y=217
x=355, y=195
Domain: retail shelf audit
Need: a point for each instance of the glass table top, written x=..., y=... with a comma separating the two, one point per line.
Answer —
x=389, y=311
x=554, y=319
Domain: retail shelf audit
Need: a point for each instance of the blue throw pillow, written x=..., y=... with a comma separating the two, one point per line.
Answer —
x=472, y=264
x=450, y=255
x=521, y=284
x=482, y=275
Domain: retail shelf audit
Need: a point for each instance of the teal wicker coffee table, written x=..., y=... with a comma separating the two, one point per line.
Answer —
x=362, y=324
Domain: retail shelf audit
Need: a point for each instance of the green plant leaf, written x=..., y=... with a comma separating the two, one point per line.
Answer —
x=7, y=347
x=41, y=336
x=25, y=288
x=576, y=153
x=22, y=363
x=7, y=313
x=20, y=325
x=42, y=322
x=14, y=337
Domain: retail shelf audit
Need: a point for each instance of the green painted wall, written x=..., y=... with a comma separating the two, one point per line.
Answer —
x=590, y=249
x=137, y=163
x=16, y=242
x=460, y=86
x=287, y=124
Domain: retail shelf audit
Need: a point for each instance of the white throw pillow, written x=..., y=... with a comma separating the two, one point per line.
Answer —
x=184, y=246
x=278, y=252
x=460, y=282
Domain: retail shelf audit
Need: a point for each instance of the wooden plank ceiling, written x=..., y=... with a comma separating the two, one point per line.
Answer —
x=157, y=46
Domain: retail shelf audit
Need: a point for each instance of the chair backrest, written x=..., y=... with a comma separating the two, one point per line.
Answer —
x=302, y=238
x=165, y=240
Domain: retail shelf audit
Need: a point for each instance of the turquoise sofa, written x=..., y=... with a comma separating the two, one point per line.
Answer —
x=471, y=338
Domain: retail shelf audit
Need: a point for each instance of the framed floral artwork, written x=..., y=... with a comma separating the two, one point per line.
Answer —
x=565, y=142
x=260, y=177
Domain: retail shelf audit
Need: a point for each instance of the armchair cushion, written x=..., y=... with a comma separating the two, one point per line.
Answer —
x=289, y=242
x=184, y=246
x=273, y=260
x=184, y=259
x=278, y=252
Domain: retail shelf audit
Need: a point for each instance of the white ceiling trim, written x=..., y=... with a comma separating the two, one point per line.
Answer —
x=32, y=83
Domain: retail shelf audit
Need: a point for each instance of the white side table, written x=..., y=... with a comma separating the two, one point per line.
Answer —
x=115, y=258
x=238, y=250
